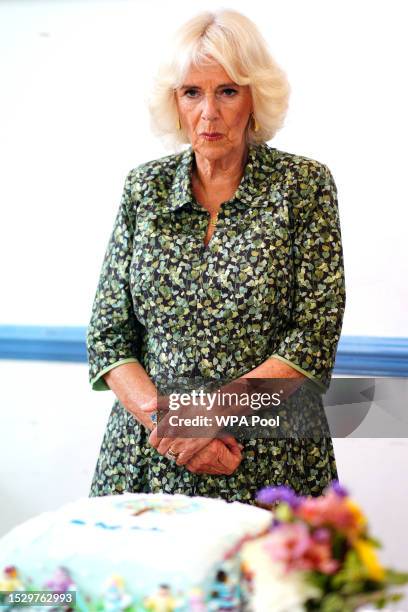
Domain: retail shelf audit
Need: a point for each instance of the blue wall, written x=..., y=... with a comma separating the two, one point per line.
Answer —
x=356, y=355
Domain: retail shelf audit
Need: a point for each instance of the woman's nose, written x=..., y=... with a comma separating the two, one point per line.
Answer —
x=210, y=107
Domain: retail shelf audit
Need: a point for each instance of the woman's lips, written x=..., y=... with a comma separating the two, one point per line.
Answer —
x=213, y=136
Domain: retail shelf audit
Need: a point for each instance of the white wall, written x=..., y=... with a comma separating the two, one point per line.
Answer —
x=73, y=118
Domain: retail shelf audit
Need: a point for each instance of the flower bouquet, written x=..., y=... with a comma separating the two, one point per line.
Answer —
x=317, y=555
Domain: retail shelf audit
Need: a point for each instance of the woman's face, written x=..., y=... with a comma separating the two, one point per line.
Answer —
x=209, y=102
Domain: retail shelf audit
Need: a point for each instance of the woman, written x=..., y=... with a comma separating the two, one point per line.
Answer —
x=225, y=263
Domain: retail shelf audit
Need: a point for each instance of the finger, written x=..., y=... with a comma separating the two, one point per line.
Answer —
x=197, y=465
x=181, y=459
x=154, y=440
x=187, y=452
x=185, y=456
x=178, y=446
x=231, y=442
x=192, y=470
x=236, y=451
x=228, y=439
x=230, y=459
x=164, y=446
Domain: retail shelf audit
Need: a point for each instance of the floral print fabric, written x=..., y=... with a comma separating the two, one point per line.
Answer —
x=270, y=283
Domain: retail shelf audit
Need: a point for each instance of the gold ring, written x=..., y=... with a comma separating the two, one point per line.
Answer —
x=171, y=455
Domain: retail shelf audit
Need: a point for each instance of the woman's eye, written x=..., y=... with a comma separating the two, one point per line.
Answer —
x=229, y=92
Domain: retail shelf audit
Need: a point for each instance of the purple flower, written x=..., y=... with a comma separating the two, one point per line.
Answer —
x=282, y=493
x=338, y=489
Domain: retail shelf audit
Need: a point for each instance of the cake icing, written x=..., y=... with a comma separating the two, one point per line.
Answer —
x=136, y=551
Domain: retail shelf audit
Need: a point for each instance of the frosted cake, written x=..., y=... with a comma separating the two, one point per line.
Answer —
x=137, y=552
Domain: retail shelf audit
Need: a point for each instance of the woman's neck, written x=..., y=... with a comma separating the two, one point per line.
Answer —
x=219, y=174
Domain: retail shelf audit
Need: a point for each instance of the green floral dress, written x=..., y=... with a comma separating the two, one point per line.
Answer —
x=270, y=283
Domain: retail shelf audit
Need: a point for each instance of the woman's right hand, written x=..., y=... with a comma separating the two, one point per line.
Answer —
x=221, y=456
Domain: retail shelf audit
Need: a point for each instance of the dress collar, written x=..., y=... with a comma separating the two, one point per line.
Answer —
x=251, y=189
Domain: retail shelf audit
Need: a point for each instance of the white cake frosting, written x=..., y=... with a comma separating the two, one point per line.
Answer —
x=136, y=551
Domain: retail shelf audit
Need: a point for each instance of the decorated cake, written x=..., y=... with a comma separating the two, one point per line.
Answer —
x=137, y=552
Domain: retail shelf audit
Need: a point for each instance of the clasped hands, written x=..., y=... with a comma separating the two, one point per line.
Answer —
x=217, y=453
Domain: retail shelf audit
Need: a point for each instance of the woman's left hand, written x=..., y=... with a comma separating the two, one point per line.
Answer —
x=183, y=448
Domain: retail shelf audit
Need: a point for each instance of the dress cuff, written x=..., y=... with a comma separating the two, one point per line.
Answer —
x=98, y=383
x=321, y=386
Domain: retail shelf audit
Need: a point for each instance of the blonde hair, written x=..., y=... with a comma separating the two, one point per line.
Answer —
x=236, y=44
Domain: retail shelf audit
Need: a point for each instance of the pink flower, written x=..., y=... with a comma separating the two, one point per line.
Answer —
x=321, y=535
x=295, y=547
x=288, y=541
x=329, y=510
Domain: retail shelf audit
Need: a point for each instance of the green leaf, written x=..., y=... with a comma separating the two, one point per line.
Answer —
x=394, y=577
x=335, y=603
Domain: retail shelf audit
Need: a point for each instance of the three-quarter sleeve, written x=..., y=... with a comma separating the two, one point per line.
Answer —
x=113, y=333
x=309, y=341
